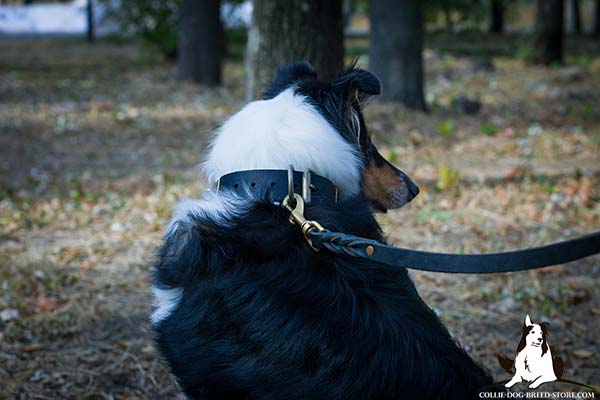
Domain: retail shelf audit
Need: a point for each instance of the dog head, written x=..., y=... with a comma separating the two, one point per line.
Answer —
x=314, y=125
x=534, y=335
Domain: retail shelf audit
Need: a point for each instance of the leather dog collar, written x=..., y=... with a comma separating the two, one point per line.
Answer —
x=312, y=187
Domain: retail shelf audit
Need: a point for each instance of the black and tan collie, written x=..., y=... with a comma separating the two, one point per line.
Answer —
x=246, y=309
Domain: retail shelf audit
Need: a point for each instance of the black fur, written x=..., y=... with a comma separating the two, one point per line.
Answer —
x=523, y=341
x=263, y=316
x=544, y=326
x=289, y=75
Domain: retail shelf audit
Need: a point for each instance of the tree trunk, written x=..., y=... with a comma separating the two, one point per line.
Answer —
x=448, y=18
x=91, y=31
x=200, y=42
x=395, y=51
x=596, y=30
x=347, y=11
x=576, y=16
x=548, y=45
x=497, y=16
x=293, y=30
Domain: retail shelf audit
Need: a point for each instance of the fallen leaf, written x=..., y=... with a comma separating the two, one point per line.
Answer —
x=595, y=310
x=579, y=296
x=86, y=265
x=124, y=344
x=514, y=174
x=448, y=178
x=45, y=303
x=31, y=348
x=571, y=187
x=582, y=353
x=123, y=397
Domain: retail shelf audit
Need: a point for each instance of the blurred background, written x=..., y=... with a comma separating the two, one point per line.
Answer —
x=106, y=107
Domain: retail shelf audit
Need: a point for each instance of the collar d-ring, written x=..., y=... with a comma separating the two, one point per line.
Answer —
x=291, y=190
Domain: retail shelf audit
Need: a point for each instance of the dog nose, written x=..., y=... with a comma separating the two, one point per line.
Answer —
x=540, y=339
x=412, y=187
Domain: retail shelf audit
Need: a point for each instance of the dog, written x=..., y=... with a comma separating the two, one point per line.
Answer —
x=534, y=362
x=246, y=309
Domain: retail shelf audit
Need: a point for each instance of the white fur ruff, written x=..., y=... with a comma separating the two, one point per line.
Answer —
x=216, y=206
x=272, y=134
x=165, y=301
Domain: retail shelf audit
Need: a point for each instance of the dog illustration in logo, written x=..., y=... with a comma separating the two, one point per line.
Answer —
x=534, y=362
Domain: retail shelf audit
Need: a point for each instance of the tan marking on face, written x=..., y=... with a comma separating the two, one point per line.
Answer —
x=385, y=188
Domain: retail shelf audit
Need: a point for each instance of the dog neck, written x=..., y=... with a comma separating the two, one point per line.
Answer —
x=275, y=185
x=285, y=130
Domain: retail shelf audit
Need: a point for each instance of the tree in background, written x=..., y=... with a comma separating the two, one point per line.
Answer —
x=395, y=50
x=576, y=16
x=548, y=44
x=596, y=30
x=91, y=32
x=454, y=11
x=200, y=43
x=497, y=16
x=286, y=31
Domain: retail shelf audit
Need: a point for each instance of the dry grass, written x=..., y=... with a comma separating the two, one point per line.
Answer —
x=97, y=143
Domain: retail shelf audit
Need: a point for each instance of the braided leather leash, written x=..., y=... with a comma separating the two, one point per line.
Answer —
x=519, y=260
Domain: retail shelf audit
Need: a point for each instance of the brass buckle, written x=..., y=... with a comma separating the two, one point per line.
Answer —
x=306, y=183
x=290, y=181
x=297, y=217
x=306, y=192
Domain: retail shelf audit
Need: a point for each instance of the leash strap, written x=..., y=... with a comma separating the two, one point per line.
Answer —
x=519, y=260
x=341, y=243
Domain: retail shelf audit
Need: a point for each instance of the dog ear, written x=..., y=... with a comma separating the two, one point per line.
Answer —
x=356, y=85
x=544, y=326
x=528, y=321
x=288, y=75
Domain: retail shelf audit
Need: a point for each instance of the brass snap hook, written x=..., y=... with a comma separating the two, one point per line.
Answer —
x=297, y=217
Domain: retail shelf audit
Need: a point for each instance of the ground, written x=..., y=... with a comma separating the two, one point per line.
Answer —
x=98, y=141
